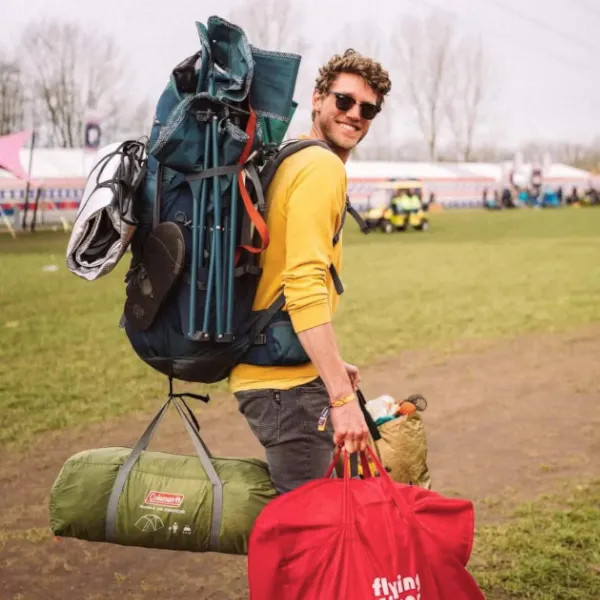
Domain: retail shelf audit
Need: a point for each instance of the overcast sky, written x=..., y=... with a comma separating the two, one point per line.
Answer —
x=545, y=51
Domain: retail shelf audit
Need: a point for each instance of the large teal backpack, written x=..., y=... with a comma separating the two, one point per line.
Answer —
x=215, y=144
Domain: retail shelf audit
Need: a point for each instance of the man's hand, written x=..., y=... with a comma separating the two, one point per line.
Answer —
x=341, y=379
x=353, y=374
x=349, y=427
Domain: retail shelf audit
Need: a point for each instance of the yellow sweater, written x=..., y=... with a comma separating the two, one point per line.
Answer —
x=305, y=202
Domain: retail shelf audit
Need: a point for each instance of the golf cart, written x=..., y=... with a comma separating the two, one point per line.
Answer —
x=397, y=206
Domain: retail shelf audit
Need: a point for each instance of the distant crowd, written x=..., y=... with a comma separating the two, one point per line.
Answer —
x=539, y=196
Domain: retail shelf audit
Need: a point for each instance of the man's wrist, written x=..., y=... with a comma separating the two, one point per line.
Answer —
x=345, y=399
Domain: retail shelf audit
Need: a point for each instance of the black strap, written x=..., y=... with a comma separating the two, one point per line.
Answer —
x=264, y=317
x=338, y=233
x=246, y=232
x=263, y=181
x=260, y=339
x=157, y=197
x=337, y=282
x=247, y=268
x=258, y=187
x=182, y=396
x=373, y=430
x=201, y=283
x=285, y=151
x=216, y=171
x=361, y=222
x=124, y=181
x=186, y=394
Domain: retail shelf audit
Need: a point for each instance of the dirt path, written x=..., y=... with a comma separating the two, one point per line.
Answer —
x=505, y=422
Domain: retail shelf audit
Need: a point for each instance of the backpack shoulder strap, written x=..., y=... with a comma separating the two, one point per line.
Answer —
x=356, y=216
x=348, y=208
x=285, y=151
x=262, y=182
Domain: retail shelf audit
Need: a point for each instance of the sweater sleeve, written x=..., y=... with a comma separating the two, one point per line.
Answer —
x=314, y=206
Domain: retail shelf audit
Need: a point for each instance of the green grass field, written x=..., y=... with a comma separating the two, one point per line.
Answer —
x=548, y=550
x=475, y=276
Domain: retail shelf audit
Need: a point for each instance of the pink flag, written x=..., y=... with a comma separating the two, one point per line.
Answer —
x=10, y=148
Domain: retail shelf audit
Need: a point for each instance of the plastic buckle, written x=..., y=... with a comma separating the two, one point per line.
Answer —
x=205, y=115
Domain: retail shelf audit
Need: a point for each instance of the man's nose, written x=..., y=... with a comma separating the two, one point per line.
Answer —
x=354, y=112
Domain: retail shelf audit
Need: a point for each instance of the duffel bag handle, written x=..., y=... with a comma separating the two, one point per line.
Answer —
x=141, y=445
x=388, y=482
x=373, y=431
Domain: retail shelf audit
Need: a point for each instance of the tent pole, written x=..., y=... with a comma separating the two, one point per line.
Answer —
x=26, y=204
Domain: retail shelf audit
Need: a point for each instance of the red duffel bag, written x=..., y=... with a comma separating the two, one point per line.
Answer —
x=353, y=539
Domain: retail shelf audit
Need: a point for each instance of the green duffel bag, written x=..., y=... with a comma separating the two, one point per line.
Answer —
x=135, y=497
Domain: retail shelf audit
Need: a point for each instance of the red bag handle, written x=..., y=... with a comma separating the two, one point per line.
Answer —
x=347, y=512
x=330, y=468
x=388, y=482
x=383, y=474
x=366, y=467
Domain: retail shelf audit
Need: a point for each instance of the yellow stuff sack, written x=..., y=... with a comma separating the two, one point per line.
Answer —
x=402, y=448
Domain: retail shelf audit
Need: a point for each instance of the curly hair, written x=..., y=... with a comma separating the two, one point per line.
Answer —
x=354, y=62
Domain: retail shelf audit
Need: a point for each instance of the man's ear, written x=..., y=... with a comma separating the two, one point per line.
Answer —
x=317, y=101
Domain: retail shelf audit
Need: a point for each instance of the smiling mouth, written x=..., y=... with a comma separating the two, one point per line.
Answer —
x=348, y=127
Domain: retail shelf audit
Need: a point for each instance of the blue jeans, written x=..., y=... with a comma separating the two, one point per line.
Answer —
x=285, y=423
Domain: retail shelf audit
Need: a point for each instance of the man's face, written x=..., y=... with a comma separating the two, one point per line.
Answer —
x=343, y=129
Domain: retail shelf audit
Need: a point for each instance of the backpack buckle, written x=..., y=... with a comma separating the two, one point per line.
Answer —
x=260, y=339
x=205, y=115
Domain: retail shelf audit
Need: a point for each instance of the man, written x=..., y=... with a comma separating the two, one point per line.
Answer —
x=284, y=402
x=414, y=202
x=403, y=201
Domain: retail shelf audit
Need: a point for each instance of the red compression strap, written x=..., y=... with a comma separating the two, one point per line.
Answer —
x=257, y=220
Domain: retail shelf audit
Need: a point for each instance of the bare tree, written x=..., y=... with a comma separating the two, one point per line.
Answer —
x=580, y=155
x=424, y=57
x=593, y=163
x=571, y=153
x=364, y=37
x=141, y=119
x=71, y=70
x=271, y=24
x=490, y=152
x=131, y=122
x=470, y=90
x=12, y=97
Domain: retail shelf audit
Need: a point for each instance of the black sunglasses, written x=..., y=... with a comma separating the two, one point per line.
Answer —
x=344, y=103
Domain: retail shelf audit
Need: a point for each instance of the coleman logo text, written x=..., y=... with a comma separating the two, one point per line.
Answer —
x=164, y=499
